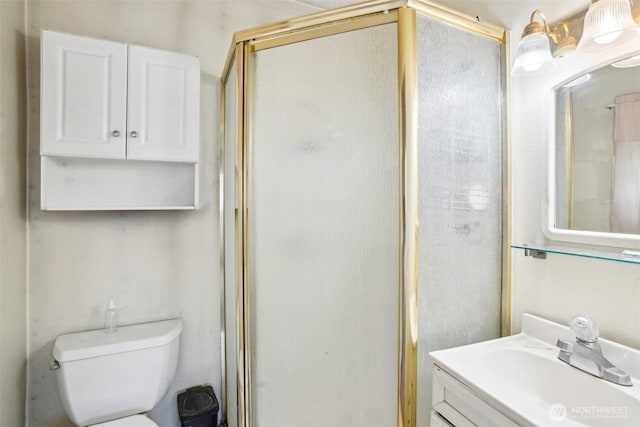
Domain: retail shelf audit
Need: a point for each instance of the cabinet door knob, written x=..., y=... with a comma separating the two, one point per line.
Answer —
x=115, y=133
x=133, y=134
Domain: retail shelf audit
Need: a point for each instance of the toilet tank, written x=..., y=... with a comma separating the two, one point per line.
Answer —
x=109, y=375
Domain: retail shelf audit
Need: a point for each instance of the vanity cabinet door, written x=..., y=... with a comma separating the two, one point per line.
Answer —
x=163, y=110
x=84, y=96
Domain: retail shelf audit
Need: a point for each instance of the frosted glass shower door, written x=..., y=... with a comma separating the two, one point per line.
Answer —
x=460, y=192
x=323, y=231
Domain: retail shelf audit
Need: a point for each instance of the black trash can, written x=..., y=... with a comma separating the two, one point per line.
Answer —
x=198, y=407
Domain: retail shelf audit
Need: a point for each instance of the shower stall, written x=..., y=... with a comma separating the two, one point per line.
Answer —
x=363, y=216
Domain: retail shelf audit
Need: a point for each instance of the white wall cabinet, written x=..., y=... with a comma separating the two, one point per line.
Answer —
x=83, y=97
x=115, y=120
x=162, y=120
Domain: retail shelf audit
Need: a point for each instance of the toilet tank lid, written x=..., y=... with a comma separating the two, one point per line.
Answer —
x=84, y=345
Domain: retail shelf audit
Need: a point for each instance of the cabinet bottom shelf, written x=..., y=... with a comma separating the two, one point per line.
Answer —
x=83, y=184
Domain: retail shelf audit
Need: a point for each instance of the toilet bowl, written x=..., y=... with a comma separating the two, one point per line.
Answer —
x=110, y=379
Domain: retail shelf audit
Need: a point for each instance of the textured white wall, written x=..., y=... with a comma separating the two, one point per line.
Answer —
x=13, y=112
x=155, y=265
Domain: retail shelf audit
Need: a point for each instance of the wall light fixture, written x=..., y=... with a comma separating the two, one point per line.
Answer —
x=534, y=51
x=565, y=42
x=607, y=23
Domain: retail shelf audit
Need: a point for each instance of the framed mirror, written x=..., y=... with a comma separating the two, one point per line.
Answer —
x=594, y=157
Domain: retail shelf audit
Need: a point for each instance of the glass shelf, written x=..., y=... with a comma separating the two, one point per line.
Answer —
x=539, y=250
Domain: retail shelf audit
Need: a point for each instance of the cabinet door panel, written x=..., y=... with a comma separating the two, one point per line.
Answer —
x=164, y=97
x=84, y=93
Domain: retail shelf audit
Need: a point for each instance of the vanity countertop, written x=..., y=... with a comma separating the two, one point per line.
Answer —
x=522, y=377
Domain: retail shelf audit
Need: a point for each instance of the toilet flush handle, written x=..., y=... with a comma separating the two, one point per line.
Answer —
x=54, y=364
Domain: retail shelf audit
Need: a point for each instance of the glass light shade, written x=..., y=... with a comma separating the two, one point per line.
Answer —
x=534, y=54
x=634, y=61
x=607, y=23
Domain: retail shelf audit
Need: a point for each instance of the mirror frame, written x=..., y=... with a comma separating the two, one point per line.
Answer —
x=549, y=228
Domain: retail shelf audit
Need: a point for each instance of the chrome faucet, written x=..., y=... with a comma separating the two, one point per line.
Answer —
x=586, y=354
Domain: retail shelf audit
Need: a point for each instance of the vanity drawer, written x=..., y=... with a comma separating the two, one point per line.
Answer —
x=460, y=406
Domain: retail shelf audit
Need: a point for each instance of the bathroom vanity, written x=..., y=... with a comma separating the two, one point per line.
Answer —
x=519, y=381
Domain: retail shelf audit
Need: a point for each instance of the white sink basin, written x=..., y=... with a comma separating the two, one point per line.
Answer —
x=522, y=378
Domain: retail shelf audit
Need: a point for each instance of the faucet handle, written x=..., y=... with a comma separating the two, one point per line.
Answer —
x=617, y=376
x=585, y=329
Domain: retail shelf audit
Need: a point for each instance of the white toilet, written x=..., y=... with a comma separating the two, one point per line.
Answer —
x=110, y=379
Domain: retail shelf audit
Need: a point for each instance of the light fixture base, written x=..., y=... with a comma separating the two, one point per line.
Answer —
x=532, y=28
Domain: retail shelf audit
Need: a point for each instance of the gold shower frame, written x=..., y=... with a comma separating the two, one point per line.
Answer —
x=325, y=23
